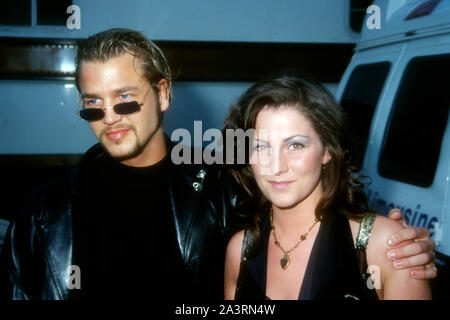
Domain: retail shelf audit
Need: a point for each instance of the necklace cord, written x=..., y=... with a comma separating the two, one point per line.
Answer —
x=285, y=261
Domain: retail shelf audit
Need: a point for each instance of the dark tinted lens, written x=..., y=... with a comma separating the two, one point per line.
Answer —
x=92, y=114
x=127, y=107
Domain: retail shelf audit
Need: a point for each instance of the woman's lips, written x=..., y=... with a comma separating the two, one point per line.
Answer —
x=280, y=185
x=117, y=134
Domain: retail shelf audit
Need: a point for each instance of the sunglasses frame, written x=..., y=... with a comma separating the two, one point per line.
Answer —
x=114, y=108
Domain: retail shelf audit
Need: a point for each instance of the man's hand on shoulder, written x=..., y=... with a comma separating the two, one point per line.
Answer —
x=420, y=252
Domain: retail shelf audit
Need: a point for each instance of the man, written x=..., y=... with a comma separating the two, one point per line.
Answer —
x=129, y=222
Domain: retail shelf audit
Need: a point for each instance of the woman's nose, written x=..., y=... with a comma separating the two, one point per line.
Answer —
x=278, y=163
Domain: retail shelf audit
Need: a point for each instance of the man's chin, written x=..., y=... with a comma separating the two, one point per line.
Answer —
x=123, y=157
x=121, y=153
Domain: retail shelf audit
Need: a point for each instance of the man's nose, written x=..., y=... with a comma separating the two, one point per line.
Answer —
x=111, y=116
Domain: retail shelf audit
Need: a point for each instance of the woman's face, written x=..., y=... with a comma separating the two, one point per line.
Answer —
x=287, y=157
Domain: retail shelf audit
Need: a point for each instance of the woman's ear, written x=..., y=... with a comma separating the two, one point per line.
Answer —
x=326, y=156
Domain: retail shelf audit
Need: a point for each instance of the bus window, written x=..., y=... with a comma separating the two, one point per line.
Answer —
x=359, y=101
x=418, y=119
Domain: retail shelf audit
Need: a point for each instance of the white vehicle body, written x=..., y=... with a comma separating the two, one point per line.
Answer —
x=402, y=68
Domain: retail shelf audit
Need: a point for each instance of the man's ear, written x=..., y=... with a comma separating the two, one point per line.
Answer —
x=164, y=94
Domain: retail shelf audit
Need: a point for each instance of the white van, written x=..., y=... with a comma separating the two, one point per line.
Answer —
x=397, y=92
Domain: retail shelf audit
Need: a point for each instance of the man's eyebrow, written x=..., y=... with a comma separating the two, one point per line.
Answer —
x=125, y=89
x=115, y=91
x=89, y=96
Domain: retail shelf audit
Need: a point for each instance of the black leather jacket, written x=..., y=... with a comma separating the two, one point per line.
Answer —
x=37, y=252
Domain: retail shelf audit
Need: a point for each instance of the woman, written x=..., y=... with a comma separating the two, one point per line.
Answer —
x=310, y=223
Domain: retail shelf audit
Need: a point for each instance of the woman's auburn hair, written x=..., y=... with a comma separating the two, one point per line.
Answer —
x=343, y=189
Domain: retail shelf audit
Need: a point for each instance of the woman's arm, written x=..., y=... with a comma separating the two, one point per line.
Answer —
x=393, y=283
x=232, y=264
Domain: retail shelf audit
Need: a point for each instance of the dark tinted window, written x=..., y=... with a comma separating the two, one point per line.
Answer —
x=15, y=12
x=418, y=120
x=48, y=12
x=52, y=13
x=357, y=13
x=359, y=101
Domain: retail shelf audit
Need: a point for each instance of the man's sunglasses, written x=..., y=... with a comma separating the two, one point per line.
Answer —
x=123, y=109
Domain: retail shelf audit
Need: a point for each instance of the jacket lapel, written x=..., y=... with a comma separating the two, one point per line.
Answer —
x=185, y=185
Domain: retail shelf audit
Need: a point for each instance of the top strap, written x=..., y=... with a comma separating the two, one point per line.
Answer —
x=365, y=229
x=245, y=245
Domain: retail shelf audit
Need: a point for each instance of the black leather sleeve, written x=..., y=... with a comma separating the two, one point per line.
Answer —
x=24, y=262
x=16, y=258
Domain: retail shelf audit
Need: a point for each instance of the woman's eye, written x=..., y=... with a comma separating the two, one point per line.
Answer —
x=295, y=146
x=125, y=95
x=261, y=147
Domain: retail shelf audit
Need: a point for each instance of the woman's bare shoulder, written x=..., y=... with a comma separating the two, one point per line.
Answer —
x=232, y=263
x=382, y=229
x=234, y=247
x=396, y=283
x=378, y=247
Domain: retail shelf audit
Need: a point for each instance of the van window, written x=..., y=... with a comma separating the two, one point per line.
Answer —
x=34, y=12
x=15, y=13
x=52, y=13
x=418, y=119
x=359, y=101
